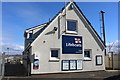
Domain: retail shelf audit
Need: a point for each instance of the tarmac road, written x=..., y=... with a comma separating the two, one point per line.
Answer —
x=97, y=75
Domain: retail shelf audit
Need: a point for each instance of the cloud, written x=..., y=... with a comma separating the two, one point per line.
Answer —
x=114, y=47
x=11, y=48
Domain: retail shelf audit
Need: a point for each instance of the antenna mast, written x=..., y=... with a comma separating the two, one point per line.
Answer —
x=103, y=29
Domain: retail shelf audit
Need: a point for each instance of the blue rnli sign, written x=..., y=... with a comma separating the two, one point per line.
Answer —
x=71, y=44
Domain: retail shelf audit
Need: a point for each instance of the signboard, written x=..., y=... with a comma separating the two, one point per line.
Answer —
x=79, y=64
x=36, y=64
x=99, y=60
x=65, y=64
x=72, y=64
x=71, y=44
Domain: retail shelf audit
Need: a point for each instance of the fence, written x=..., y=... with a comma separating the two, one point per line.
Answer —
x=1, y=65
x=112, y=61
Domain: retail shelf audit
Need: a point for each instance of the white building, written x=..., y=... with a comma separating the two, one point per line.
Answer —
x=68, y=43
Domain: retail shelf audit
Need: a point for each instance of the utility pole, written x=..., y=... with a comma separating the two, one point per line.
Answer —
x=8, y=50
x=103, y=28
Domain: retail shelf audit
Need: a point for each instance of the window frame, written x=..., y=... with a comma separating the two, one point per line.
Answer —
x=75, y=64
x=68, y=65
x=101, y=60
x=88, y=58
x=68, y=31
x=78, y=63
x=28, y=35
x=55, y=58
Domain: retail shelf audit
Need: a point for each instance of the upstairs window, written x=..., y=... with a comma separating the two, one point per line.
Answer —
x=30, y=35
x=71, y=26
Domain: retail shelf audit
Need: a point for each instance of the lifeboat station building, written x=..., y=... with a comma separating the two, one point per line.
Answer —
x=67, y=43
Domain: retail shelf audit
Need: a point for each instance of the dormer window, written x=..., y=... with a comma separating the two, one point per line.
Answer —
x=30, y=35
x=71, y=26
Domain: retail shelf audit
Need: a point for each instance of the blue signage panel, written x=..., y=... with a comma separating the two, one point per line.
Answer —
x=71, y=44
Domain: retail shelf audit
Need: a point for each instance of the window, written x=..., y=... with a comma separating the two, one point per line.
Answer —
x=71, y=26
x=73, y=65
x=30, y=35
x=68, y=65
x=99, y=60
x=87, y=54
x=54, y=54
x=65, y=65
x=79, y=64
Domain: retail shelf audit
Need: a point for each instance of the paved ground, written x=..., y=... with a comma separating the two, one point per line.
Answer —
x=99, y=75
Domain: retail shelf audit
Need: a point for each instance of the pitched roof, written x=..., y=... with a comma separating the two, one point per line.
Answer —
x=89, y=23
x=83, y=16
x=38, y=26
x=41, y=28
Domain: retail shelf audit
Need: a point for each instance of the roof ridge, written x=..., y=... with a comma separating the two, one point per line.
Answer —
x=38, y=25
x=89, y=23
x=52, y=18
x=83, y=16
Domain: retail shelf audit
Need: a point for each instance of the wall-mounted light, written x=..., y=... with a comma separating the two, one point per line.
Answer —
x=54, y=29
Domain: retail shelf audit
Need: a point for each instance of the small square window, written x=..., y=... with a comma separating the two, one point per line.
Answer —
x=54, y=54
x=71, y=26
x=87, y=54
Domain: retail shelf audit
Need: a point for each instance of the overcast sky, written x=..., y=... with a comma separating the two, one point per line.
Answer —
x=18, y=16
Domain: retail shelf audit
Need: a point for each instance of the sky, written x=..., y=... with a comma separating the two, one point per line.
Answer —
x=18, y=16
